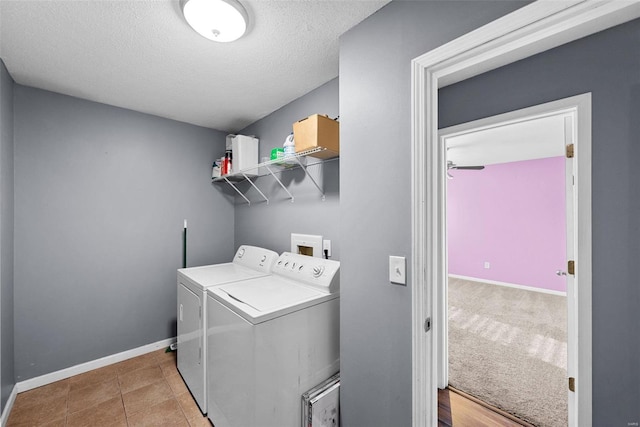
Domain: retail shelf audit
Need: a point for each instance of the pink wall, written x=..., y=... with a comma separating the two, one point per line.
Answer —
x=513, y=216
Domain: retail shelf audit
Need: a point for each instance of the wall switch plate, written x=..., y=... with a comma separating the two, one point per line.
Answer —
x=397, y=270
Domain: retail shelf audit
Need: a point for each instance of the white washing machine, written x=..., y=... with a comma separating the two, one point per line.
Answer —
x=270, y=340
x=249, y=262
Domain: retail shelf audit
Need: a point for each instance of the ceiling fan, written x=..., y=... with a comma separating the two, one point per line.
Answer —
x=451, y=165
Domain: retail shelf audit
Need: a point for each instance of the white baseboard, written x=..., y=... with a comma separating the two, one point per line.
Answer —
x=6, y=410
x=510, y=285
x=62, y=374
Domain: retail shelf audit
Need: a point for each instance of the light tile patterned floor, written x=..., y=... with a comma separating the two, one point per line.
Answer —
x=143, y=391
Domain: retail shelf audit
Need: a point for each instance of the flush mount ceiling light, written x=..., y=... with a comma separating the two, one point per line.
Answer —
x=217, y=20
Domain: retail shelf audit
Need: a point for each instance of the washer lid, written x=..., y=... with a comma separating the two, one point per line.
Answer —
x=269, y=295
x=218, y=274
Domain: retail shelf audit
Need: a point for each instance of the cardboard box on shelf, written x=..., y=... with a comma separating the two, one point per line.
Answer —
x=317, y=131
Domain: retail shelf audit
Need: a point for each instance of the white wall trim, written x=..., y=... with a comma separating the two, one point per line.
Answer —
x=76, y=370
x=91, y=365
x=537, y=27
x=8, y=406
x=510, y=285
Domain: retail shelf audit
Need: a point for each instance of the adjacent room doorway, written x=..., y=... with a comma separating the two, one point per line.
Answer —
x=534, y=28
x=533, y=149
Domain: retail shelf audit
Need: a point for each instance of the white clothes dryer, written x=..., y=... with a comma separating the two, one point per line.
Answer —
x=271, y=339
x=249, y=262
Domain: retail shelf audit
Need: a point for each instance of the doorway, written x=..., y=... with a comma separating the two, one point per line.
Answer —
x=508, y=234
x=532, y=29
x=578, y=249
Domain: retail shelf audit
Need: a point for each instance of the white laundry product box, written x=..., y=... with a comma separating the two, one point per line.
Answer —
x=244, y=152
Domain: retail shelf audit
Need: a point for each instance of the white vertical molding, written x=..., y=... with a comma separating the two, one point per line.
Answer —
x=583, y=253
x=435, y=232
x=422, y=403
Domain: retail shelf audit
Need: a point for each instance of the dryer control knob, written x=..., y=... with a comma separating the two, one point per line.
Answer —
x=318, y=270
x=240, y=253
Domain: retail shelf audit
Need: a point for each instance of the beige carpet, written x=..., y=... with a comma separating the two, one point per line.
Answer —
x=508, y=347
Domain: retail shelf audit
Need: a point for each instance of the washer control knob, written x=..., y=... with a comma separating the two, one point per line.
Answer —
x=318, y=270
x=241, y=253
x=300, y=268
x=286, y=263
x=293, y=265
x=264, y=258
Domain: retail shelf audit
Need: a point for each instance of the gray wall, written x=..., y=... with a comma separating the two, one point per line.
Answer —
x=100, y=198
x=7, y=377
x=375, y=196
x=270, y=225
x=608, y=65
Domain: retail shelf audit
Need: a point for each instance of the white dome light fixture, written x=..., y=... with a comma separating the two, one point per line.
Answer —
x=217, y=20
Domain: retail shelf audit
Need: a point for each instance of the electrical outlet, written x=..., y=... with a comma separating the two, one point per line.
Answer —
x=487, y=265
x=326, y=246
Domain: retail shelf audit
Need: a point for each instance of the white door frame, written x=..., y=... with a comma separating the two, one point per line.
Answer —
x=577, y=131
x=534, y=28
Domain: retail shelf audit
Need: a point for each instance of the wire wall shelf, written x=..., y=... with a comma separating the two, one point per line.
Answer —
x=302, y=160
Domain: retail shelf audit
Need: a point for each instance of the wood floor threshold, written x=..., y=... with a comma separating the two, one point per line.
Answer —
x=490, y=407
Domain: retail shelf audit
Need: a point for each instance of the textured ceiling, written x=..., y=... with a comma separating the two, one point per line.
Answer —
x=142, y=55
